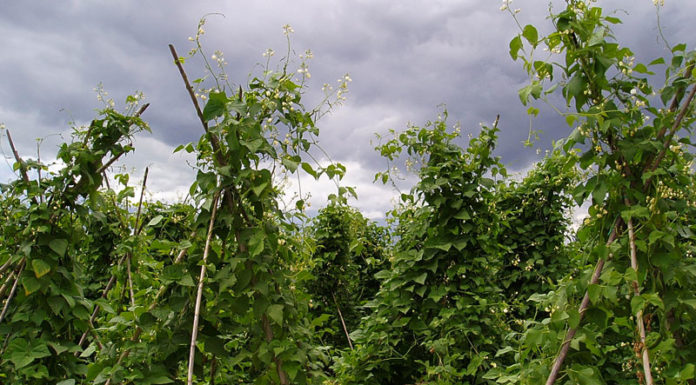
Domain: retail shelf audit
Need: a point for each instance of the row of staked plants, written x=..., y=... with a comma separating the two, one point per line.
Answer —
x=479, y=277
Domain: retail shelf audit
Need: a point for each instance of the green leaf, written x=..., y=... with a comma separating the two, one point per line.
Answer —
x=59, y=246
x=259, y=188
x=172, y=272
x=659, y=60
x=159, y=379
x=275, y=312
x=291, y=163
x=530, y=33
x=40, y=267
x=215, y=106
x=654, y=236
x=421, y=278
x=687, y=372
x=30, y=284
x=641, y=69
x=89, y=351
x=154, y=221
x=689, y=302
x=637, y=303
x=504, y=350
x=575, y=87
x=463, y=214
x=66, y=382
x=309, y=170
x=570, y=119
x=597, y=37
x=515, y=47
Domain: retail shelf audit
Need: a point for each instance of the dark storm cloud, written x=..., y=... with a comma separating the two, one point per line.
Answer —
x=405, y=58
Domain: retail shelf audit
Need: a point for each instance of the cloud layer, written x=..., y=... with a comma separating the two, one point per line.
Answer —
x=405, y=58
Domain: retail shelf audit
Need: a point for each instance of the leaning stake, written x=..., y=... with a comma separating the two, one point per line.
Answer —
x=583, y=306
x=199, y=294
x=639, y=314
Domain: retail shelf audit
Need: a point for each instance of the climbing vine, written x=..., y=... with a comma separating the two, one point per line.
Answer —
x=477, y=278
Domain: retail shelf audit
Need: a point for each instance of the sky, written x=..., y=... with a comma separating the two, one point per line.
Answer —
x=406, y=60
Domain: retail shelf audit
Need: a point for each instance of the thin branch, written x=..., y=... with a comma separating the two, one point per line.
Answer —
x=12, y=292
x=199, y=294
x=343, y=323
x=570, y=334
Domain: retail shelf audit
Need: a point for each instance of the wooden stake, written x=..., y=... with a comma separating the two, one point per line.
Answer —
x=639, y=315
x=570, y=334
x=12, y=292
x=232, y=198
x=199, y=294
x=343, y=323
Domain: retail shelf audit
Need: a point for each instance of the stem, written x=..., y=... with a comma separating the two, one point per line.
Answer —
x=558, y=363
x=639, y=315
x=343, y=323
x=199, y=294
x=12, y=292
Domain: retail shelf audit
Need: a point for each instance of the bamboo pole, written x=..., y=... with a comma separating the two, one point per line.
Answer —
x=570, y=334
x=555, y=369
x=199, y=294
x=12, y=291
x=639, y=314
x=343, y=323
x=231, y=195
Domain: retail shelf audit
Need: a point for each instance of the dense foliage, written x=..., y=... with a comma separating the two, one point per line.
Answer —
x=479, y=278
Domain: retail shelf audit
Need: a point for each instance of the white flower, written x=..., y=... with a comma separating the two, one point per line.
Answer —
x=287, y=29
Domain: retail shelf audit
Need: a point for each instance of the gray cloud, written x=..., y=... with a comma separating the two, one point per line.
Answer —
x=405, y=58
